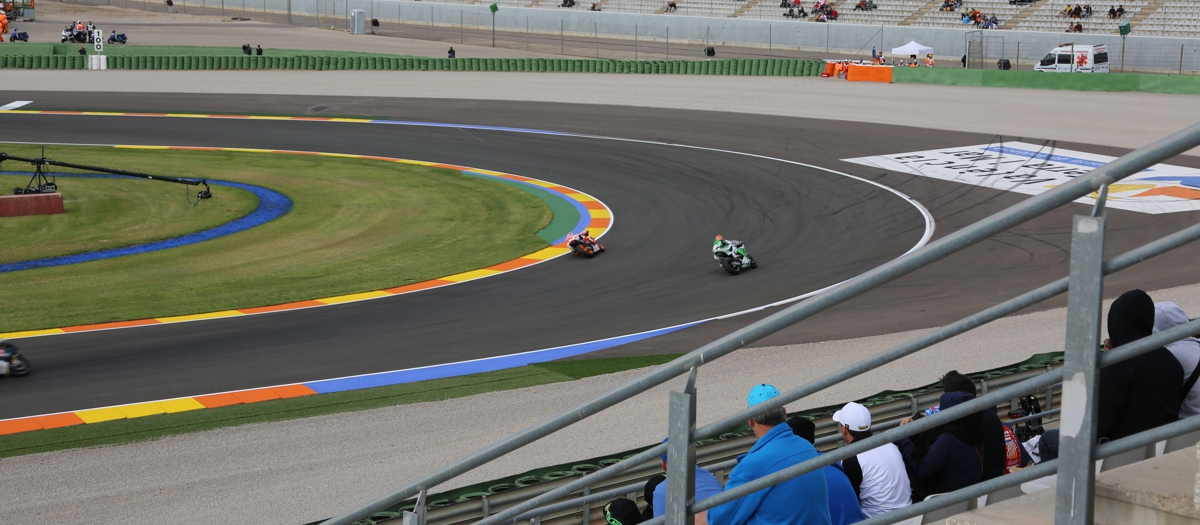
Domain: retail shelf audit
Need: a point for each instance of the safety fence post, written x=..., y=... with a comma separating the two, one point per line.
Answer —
x=681, y=454
x=1075, y=497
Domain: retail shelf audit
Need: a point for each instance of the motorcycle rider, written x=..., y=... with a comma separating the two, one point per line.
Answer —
x=732, y=247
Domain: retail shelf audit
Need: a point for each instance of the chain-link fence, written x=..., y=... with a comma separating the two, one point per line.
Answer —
x=605, y=35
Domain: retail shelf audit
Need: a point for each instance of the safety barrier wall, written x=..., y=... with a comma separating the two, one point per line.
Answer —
x=1037, y=80
x=751, y=67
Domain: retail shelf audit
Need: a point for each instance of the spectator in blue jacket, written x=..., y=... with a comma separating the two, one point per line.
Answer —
x=706, y=486
x=955, y=456
x=802, y=500
x=844, y=508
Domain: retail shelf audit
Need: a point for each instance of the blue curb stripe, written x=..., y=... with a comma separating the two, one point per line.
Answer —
x=271, y=206
x=491, y=364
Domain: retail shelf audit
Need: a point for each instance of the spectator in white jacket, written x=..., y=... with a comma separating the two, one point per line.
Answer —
x=1168, y=315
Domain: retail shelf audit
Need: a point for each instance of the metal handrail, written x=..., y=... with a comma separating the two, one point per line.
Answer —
x=1114, y=171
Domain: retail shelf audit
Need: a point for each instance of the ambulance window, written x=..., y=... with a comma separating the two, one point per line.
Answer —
x=1064, y=58
x=1101, y=58
x=1049, y=60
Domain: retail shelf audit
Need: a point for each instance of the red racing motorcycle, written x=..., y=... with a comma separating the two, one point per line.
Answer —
x=583, y=244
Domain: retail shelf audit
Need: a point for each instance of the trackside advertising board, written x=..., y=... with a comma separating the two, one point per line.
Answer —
x=1032, y=169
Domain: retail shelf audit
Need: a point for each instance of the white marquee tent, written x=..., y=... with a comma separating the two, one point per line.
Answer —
x=911, y=48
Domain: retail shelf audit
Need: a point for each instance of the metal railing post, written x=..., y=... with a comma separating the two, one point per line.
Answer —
x=1075, y=498
x=420, y=516
x=681, y=455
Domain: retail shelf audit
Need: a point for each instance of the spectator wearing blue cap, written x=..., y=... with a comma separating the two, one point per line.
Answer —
x=802, y=500
x=706, y=485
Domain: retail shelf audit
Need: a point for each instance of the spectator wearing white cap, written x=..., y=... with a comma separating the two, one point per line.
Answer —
x=802, y=500
x=878, y=475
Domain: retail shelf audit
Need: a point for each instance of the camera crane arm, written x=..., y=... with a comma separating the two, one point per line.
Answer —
x=206, y=193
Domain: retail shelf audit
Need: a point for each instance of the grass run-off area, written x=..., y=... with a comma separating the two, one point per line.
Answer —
x=355, y=225
x=162, y=425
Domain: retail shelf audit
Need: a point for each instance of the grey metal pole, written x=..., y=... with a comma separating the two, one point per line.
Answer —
x=1118, y=169
x=635, y=42
x=770, y=52
x=431, y=23
x=668, y=42
x=561, y=48
x=460, y=26
x=596, y=37
x=1075, y=498
x=493, y=28
x=826, y=41
x=681, y=456
x=527, y=33
x=1017, y=64
x=1180, y=59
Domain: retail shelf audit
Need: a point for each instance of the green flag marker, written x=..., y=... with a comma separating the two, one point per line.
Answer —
x=494, y=7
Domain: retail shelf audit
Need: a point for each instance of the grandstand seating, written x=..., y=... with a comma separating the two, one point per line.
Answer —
x=1174, y=18
x=1001, y=8
x=1048, y=17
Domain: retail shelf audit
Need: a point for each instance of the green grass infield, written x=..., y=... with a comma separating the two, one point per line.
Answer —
x=158, y=426
x=355, y=225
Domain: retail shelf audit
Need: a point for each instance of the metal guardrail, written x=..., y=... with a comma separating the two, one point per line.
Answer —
x=1083, y=284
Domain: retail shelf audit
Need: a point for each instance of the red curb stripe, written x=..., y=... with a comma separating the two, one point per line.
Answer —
x=218, y=400
x=593, y=205
x=58, y=420
x=599, y=223
x=280, y=307
x=14, y=426
x=511, y=265
x=256, y=395
x=105, y=326
x=293, y=391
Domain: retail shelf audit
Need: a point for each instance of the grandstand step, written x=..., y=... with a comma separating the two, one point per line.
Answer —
x=924, y=10
x=1155, y=491
x=746, y=7
x=1024, y=13
x=1141, y=16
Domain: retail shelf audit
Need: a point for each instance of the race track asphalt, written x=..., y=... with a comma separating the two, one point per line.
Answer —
x=809, y=228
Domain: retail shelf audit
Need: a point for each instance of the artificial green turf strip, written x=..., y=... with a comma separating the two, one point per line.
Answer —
x=103, y=214
x=158, y=426
x=355, y=226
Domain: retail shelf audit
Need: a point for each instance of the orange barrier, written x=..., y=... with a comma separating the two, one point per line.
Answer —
x=830, y=68
x=858, y=73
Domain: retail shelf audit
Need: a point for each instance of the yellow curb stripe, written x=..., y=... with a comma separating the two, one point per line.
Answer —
x=547, y=253
x=172, y=406
x=196, y=317
x=140, y=410
x=353, y=297
x=99, y=415
x=32, y=333
x=470, y=276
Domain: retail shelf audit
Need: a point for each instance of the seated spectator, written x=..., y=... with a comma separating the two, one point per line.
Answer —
x=966, y=19
x=1168, y=315
x=821, y=17
x=954, y=458
x=595, y=7
x=871, y=5
x=877, y=475
x=622, y=511
x=784, y=3
x=861, y=5
x=1078, y=28
x=791, y=13
x=1044, y=447
x=1077, y=12
x=833, y=14
x=994, y=22
x=1087, y=10
x=671, y=6
x=1142, y=392
x=995, y=433
x=800, y=13
x=705, y=486
x=1112, y=13
x=800, y=500
x=843, y=501
x=1120, y=10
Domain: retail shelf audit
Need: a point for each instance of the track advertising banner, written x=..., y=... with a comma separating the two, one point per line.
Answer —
x=1032, y=169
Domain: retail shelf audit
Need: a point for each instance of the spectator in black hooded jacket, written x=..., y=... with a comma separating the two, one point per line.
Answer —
x=1139, y=393
x=955, y=457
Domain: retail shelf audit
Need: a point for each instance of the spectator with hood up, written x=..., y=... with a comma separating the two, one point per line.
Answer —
x=1168, y=315
x=1142, y=392
x=954, y=458
x=995, y=444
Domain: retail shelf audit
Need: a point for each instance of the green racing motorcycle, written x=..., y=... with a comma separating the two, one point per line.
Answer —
x=732, y=256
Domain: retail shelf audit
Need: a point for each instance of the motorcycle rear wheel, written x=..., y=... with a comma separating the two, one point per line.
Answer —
x=730, y=266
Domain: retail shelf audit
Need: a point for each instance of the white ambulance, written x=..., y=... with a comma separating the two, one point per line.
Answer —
x=1075, y=58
